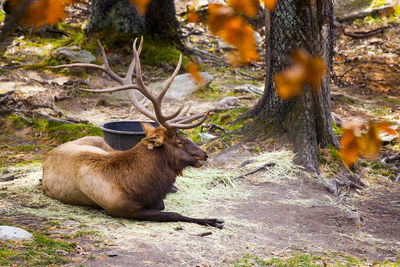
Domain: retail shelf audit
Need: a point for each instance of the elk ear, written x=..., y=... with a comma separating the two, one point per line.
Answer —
x=154, y=138
x=147, y=127
x=153, y=141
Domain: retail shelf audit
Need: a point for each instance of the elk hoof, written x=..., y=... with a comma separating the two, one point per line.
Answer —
x=173, y=189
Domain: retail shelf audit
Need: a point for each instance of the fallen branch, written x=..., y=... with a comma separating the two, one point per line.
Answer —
x=360, y=35
x=269, y=164
x=383, y=10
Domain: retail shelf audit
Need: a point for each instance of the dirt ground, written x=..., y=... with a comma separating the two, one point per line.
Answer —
x=277, y=212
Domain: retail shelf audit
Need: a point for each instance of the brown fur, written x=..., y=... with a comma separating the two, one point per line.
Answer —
x=129, y=183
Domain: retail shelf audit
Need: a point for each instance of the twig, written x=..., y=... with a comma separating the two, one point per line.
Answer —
x=204, y=234
x=341, y=76
x=391, y=159
x=269, y=164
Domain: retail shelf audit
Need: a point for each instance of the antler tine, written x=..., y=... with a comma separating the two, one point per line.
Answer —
x=171, y=79
x=140, y=107
x=131, y=68
x=112, y=89
x=175, y=114
x=187, y=119
x=182, y=125
x=109, y=71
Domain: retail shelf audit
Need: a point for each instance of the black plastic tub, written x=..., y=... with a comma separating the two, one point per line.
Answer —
x=123, y=135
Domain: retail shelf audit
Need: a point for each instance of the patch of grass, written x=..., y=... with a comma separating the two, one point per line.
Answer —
x=41, y=251
x=90, y=233
x=297, y=260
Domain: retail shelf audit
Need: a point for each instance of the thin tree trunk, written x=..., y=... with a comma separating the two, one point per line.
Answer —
x=306, y=119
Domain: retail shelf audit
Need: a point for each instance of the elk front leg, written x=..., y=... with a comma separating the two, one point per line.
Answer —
x=158, y=216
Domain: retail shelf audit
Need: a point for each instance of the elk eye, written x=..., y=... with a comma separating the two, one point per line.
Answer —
x=179, y=142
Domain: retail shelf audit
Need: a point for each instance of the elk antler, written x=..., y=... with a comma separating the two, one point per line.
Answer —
x=177, y=120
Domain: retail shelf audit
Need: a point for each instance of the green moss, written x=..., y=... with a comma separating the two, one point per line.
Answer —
x=378, y=3
x=336, y=129
x=2, y=16
x=56, y=131
x=64, y=132
x=223, y=119
x=154, y=52
x=17, y=122
x=40, y=251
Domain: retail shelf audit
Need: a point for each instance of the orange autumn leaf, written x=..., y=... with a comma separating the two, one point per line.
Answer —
x=315, y=72
x=42, y=12
x=370, y=143
x=141, y=5
x=270, y=4
x=289, y=82
x=233, y=30
x=193, y=69
x=306, y=69
x=350, y=146
x=249, y=7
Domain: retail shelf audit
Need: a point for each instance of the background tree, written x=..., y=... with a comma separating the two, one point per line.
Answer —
x=121, y=16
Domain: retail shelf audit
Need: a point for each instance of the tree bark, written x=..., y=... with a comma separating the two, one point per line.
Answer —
x=306, y=120
x=122, y=16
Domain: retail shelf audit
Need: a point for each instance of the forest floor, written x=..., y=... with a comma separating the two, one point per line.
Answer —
x=277, y=216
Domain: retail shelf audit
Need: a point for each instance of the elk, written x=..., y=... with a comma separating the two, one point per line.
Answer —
x=130, y=183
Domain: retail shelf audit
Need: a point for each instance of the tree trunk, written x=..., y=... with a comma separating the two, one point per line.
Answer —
x=306, y=119
x=122, y=16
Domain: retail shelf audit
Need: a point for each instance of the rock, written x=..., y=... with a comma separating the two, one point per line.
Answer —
x=206, y=137
x=248, y=88
x=74, y=54
x=13, y=233
x=183, y=85
x=227, y=102
x=112, y=253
